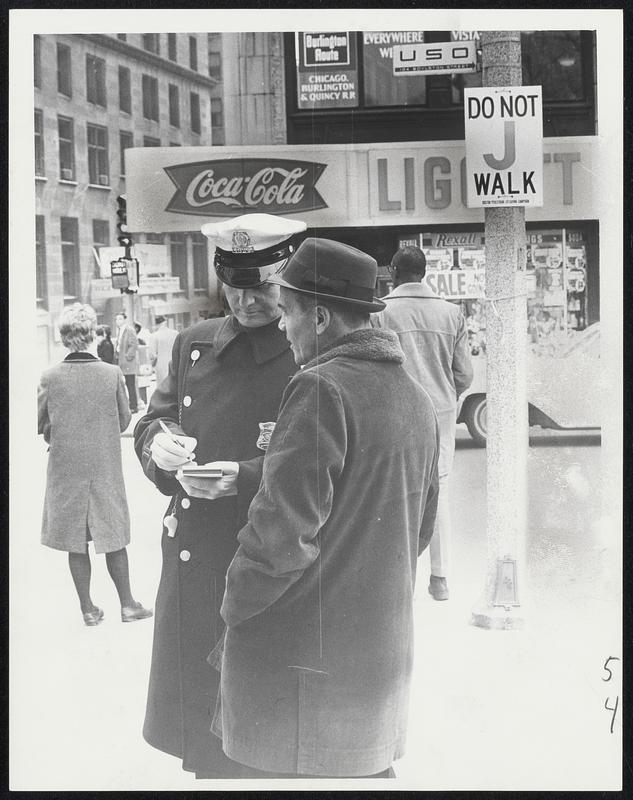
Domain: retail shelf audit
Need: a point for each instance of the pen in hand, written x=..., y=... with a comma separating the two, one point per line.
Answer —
x=173, y=438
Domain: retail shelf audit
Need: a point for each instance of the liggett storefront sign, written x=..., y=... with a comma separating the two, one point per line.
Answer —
x=177, y=189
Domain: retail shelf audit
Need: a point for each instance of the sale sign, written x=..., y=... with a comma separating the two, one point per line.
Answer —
x=458, y=284
x=504, y=146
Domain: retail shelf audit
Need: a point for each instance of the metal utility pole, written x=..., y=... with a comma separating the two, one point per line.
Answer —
x=507, y=424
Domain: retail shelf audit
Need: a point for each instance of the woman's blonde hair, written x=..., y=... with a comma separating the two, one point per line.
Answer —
x=77, y=325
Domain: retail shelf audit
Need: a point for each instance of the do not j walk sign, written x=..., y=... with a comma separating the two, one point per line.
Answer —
x=504, y=146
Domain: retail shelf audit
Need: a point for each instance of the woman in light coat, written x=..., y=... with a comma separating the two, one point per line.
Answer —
x=82, y=409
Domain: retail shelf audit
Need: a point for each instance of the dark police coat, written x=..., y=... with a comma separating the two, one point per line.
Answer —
x=223, y=380
x=319, y=599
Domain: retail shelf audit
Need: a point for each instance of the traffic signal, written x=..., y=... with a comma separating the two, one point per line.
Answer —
x=123, y=237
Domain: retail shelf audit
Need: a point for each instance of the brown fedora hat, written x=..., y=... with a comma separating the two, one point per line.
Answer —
x=334, y=271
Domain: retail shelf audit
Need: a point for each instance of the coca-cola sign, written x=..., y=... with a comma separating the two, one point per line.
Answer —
x=231, y=186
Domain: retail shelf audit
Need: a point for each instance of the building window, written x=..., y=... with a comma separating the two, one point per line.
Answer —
x=174, y=106
x=69, y=228
x=37, y=62
x=174, y=144
x=217, y=121
x=171, y=47
x=101, y=232
x=215, y=56
x=195, y=111
x=100, y=238
x=154, y=238
x=40, y=262
x=150, y=97
x=178, y=255
x=98, y=162
x=126, y=139
x=150, y=141
x=38, y=128
x=64, y=70
x=95, y=81
x=125, y=90
x=554, y=60
x=65, y=129
x=200, y=262
x=215, y=66
x=193, y=52
x=151, y=42
x=181, y=321
x=381, y=86
x=562, y=62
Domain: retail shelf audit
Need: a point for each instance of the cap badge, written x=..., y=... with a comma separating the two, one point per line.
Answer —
x=241, y=242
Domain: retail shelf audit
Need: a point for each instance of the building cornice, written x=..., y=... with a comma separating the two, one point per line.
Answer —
x=137, y=53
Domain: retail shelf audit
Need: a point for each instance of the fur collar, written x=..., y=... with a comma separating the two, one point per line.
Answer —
x=367, y=344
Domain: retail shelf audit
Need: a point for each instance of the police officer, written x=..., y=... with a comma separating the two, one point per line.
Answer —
x=226, y=377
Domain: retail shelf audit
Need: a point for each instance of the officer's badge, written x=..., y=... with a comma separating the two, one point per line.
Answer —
x=241, y=242
x=265, y=432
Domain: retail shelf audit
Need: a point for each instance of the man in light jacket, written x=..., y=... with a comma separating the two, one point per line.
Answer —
x=317, y=657
x=161, y=344
x=434, y=337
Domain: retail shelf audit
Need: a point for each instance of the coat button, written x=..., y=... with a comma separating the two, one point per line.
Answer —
x=186, y=400
x=185, y=555
x=195, y=355
x=185, y=502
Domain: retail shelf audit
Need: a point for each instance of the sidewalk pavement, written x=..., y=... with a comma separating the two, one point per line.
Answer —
x=490, y=710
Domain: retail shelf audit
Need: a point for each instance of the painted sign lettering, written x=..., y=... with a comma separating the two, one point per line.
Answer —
x=227, y=187
x=504, y=146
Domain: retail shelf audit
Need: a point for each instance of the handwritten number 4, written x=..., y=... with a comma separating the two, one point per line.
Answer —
x=614, y=709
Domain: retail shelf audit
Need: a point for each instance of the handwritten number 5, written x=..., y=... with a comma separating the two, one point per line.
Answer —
x=606, y=667
x=614, y=709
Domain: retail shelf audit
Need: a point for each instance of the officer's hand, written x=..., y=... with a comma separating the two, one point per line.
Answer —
x=212, y=488
x=171, y=452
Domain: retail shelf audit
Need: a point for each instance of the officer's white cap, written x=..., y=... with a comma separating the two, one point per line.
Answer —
x=251, y=233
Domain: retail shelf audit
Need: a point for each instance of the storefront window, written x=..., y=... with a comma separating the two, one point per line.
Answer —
x=327, y=70
x=351, y=69
x=556, y=283
x=178, y=255
x=199, y=249
x=553, y=59
x=381, y=86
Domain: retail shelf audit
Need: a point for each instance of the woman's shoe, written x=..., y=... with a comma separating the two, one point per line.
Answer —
x=93, y=617
x=132, y=613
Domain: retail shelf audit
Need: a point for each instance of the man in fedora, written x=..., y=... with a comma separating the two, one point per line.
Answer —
x=224, y=380
x=316, y=662
x=434, y=338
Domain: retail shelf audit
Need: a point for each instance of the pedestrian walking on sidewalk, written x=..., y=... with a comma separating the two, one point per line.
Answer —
x=161, y=345
x=225, y=379
x=434, y=337
x=317, y=658
x=126, y=348
x=82, y=410
x=105, y=346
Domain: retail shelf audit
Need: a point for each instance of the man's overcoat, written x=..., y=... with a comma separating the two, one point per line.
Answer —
x=318, y=604
x=223, y=380
x=82, y=409
x=127, y=350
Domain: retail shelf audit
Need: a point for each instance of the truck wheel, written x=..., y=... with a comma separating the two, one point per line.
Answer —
x=475, y=418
